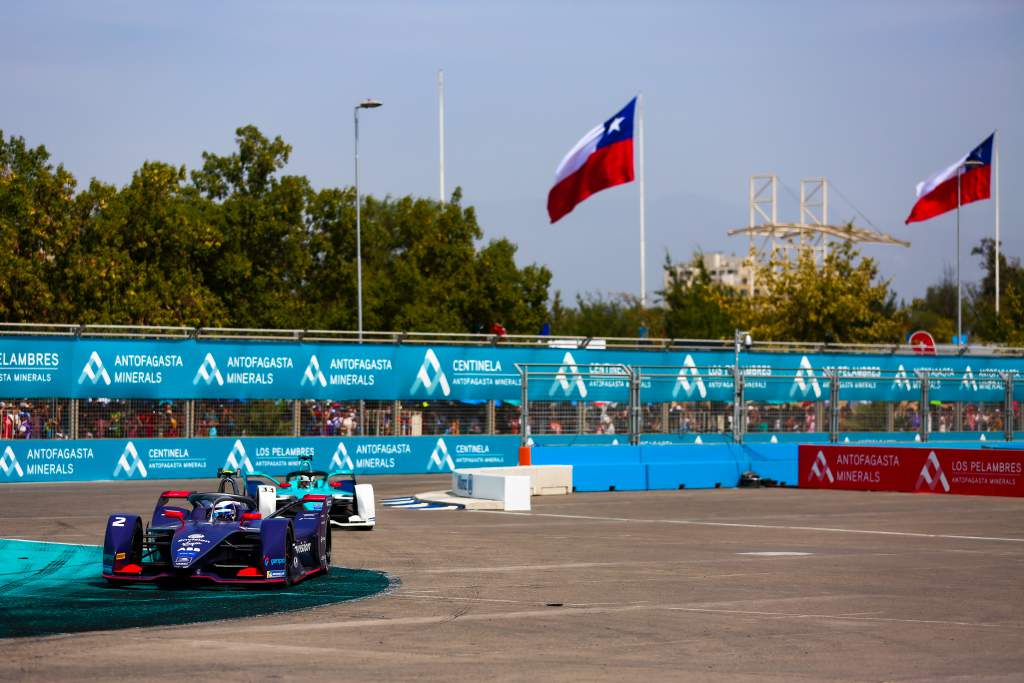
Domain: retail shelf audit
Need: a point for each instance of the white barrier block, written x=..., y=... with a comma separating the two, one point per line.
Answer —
x=517, y=493
x=493, y=483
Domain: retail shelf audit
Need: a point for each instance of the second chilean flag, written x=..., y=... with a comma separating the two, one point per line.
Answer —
x=603, y=158
x=940, y=193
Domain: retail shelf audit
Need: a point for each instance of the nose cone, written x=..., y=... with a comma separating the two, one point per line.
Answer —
x=187, y=548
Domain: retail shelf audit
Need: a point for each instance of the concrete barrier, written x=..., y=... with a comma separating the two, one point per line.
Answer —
x=512, y=485
x=512, y=490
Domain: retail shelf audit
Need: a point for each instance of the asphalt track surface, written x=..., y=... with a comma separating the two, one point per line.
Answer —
x=681, y=585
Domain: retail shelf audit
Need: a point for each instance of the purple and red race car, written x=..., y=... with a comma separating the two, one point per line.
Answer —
x=220, y=537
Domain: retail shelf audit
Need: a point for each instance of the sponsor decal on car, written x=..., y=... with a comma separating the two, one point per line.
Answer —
x=120, y=556
x=303, y=547
x=276, y=561
x=276, y=574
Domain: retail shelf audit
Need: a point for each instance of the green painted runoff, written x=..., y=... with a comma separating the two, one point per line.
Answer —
x=49, y=588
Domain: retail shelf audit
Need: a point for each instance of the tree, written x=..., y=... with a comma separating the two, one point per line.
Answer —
x=595, y=316
x=261, y=266
x=841, y=302
x=936, y=312
x=242, y=244
x=697, y=308
x=1008, y=326
x=37, y=210
x=139, y=253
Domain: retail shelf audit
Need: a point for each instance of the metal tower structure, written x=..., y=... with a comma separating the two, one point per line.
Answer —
x=813, y=231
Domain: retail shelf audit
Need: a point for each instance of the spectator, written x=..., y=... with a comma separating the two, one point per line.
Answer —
x=7, y=427
x=24, y=423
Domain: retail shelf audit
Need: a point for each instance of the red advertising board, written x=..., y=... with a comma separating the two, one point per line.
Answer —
x=929, y=470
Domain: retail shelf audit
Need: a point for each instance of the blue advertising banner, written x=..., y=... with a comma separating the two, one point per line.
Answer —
x=113, y=459
x=186, y=369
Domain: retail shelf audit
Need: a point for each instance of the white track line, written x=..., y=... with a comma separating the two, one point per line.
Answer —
x=775, y=553
x=27, y=540
x=691, y=522
x=570, y=609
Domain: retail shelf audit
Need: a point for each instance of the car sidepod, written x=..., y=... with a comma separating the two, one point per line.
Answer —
x=312, y=526
x=275, y=535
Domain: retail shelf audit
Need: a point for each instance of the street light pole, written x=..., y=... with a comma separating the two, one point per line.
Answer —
x=368, y=104
x=741, y=339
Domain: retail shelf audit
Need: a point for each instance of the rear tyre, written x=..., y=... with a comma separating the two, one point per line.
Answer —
x=327, y=553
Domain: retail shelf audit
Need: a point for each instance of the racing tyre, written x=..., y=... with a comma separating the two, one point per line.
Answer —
x=327, y=554
x=291, y=560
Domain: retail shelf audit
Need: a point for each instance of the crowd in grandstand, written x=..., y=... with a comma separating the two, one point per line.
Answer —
x=151, y=418
x=26, y=420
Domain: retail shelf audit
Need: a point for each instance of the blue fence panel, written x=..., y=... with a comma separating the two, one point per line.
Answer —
x=116, y=368
x=110, y=459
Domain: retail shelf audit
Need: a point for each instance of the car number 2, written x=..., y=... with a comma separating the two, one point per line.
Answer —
x=119, y=521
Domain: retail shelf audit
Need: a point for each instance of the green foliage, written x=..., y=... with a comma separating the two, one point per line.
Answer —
x=239, y=243
x=936, y=312
x=263, y=259
x=1008, y=326
x=842, y=301
x=138, y=255
x=37, y=211
x=697, y=308
x=598, y=317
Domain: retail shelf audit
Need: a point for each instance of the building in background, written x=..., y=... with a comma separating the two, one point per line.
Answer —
x=729, y=270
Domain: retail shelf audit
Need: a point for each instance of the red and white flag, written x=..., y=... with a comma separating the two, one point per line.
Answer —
x=940, y=193
x=601, y=159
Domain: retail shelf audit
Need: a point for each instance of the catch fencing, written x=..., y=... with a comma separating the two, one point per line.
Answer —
x=109, y=382
x=775, y=404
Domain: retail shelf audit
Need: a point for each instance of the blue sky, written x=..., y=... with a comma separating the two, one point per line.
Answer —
x=874, y=95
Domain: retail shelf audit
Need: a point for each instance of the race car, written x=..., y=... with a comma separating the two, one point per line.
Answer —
x=220, y=537
x=353, y=504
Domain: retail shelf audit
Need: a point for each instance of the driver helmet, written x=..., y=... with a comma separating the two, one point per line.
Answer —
x=225, y=511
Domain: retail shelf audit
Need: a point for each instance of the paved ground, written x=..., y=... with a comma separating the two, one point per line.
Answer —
x=659, y=585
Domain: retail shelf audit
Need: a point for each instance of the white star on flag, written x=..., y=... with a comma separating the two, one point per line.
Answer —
x=614, y=125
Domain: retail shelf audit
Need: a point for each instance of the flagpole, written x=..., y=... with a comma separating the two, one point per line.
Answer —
x=995, y=145
x=440, y=101
x=959, y=331
x=640, y=136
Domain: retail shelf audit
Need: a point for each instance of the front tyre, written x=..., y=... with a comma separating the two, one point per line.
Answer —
x=291, y=559
x=327, y=549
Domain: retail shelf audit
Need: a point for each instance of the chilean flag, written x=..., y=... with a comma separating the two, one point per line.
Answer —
x=938, y=194
x=603, y=158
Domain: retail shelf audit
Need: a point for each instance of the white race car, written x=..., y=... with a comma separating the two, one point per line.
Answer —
x=352, y=506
